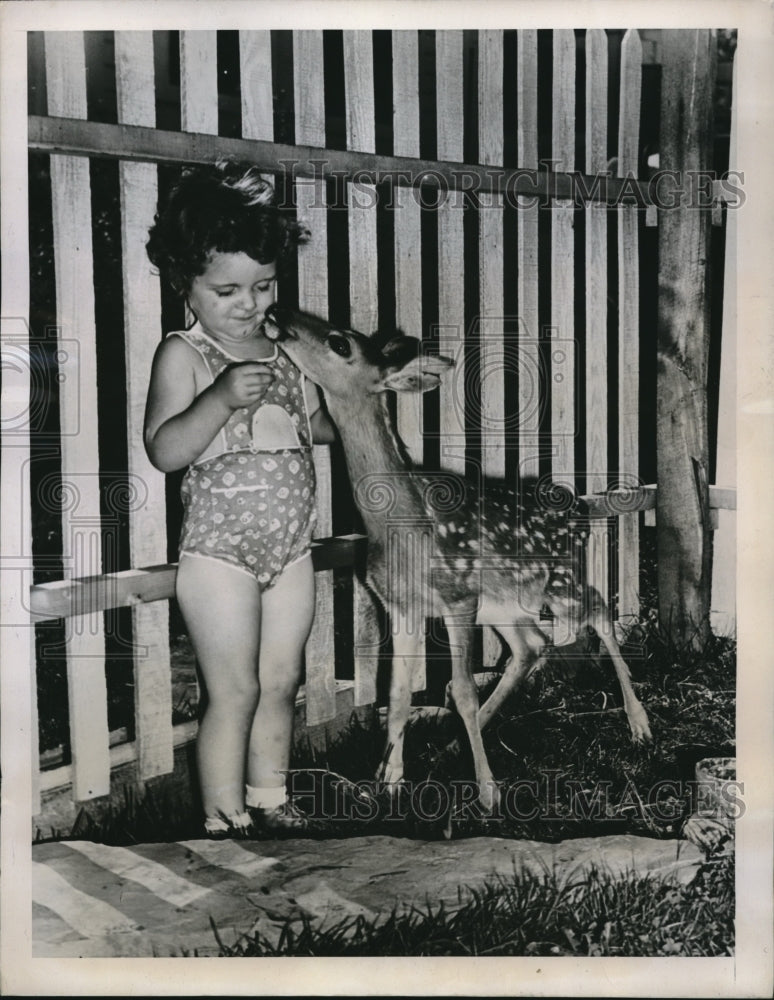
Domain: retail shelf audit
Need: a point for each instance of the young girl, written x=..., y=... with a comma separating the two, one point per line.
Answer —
x=228, y=404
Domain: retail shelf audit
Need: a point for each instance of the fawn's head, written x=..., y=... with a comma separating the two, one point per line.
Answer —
x=346, y=364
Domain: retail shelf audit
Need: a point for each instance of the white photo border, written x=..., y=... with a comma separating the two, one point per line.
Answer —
x=749, y=973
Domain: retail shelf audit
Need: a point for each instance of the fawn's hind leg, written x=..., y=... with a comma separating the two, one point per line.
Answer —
x=526, y=657
x=576, y=605
x=465, y=695
x=599, y=619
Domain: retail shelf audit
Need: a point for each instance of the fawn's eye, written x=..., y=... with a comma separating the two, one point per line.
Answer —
x=340, y=345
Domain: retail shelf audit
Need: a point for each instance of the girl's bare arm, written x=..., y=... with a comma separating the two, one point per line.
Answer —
x=179, y=424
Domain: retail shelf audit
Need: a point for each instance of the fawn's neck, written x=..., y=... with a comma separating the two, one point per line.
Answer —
x=375, y=459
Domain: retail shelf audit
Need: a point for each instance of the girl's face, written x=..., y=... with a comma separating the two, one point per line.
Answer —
x=232, y=295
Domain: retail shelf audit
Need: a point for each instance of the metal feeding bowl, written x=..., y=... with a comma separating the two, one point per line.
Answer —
x=718, y=792
x=718, y=805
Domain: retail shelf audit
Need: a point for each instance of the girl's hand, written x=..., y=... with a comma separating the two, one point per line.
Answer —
x=243, y=384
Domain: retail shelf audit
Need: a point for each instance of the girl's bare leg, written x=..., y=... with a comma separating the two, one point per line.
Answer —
x=288, y=610
x=222, y=610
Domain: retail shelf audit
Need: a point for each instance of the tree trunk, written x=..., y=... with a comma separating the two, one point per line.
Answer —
x=683, y=515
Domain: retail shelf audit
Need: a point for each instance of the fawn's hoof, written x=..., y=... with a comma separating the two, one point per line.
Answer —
x=489, y=796
x=638, y=723
x=389, y=774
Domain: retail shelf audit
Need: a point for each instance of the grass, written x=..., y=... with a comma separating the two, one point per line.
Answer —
x=530, y=915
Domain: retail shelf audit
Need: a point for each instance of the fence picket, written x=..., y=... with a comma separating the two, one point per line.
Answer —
x=199, y=81
x=81, y=522
x=309, y=106
x=490, y=255
x=255, y=84
x=596, y=301
x=490, y=267
x=562, y=366
x=527, y=256
x=142, y=332
x=451, y=249
x=255, y=87
x=17, y=633
x=629, y=324
x=408, y=247
x=363, y=296
x=198, y=87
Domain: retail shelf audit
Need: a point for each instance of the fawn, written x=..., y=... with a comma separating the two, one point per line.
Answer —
x=446, y=547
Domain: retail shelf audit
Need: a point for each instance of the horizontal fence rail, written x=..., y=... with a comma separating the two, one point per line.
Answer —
x=134, y=143
x=128, y=588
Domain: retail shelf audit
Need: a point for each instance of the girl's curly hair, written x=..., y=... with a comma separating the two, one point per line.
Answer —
x=226, y=208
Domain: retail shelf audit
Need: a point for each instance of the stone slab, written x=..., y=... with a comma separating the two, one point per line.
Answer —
x=165, y=898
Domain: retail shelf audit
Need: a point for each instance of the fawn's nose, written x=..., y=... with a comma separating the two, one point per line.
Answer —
x=277, y=321
x=279, y=314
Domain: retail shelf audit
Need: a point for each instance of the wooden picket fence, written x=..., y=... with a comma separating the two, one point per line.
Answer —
x=513, y=404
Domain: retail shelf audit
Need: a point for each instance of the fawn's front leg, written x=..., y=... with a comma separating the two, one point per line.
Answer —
x=407, y=648
x=460, y=628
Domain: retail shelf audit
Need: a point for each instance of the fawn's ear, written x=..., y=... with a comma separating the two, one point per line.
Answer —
x=420, y=374
x=396, y=351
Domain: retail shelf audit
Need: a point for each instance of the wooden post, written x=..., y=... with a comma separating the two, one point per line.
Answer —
x=723, y=612
x=683, y=515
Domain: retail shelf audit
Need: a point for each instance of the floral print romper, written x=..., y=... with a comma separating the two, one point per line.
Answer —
x=249, y=498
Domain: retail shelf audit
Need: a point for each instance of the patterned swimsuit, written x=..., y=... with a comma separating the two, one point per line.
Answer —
x=249, y=498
